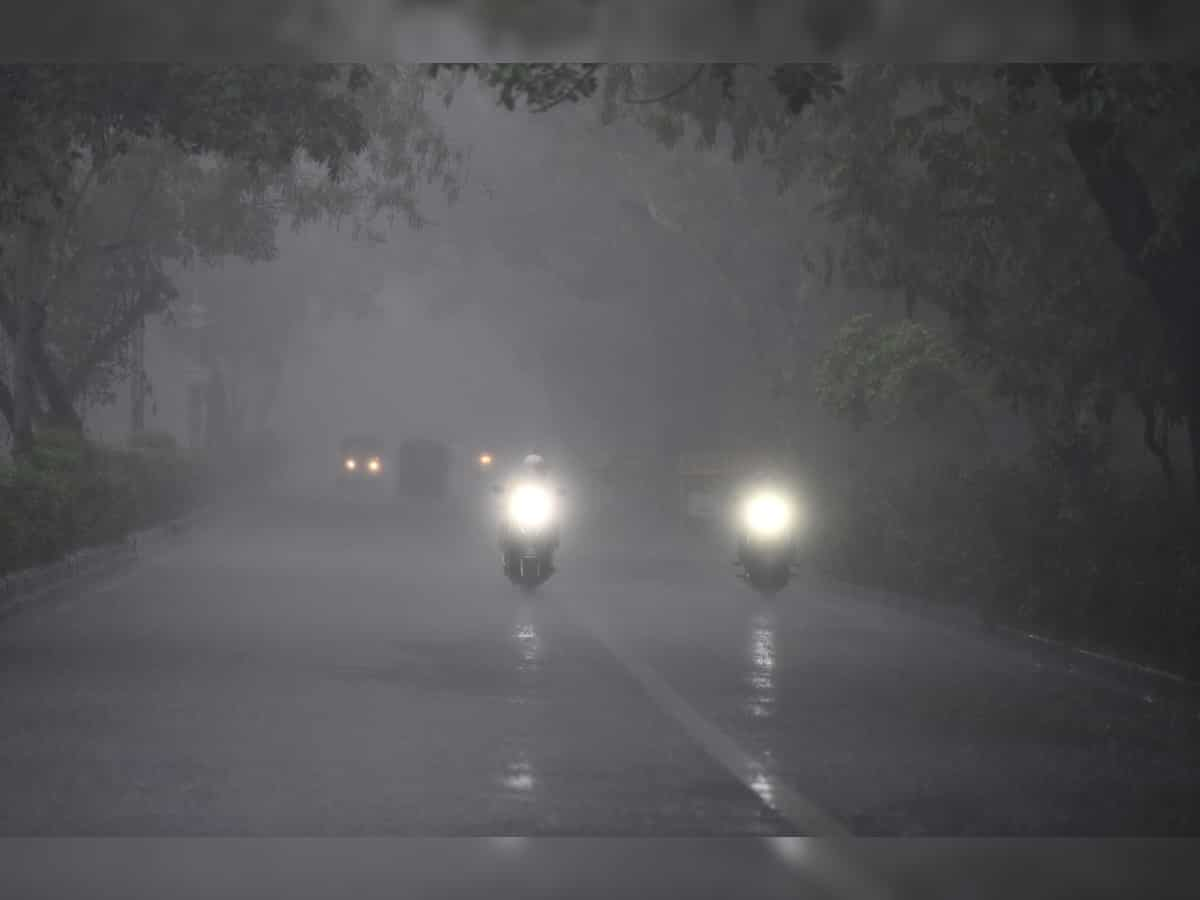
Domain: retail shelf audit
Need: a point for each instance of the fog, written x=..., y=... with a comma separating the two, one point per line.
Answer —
x=862, y=514
x=556, y=303
x=621, y=29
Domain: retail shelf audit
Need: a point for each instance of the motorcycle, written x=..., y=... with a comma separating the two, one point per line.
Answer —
x=766, y=551
x=529, y=533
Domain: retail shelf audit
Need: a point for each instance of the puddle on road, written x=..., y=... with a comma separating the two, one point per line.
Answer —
x=528, y=640
x=761, y=677
x=519, y=775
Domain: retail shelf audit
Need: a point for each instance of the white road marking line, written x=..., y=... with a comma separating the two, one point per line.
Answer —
x=801, y=813
x=814, y=852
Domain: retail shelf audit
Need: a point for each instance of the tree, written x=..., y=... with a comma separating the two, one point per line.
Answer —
x=945, y=198
x=69, y=125
x=952, y=194
x=902, y=374
x=240, y=147
x=1133, y=131
x=1109, y=118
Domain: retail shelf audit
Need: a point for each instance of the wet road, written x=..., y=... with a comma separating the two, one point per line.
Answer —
x=301, y=668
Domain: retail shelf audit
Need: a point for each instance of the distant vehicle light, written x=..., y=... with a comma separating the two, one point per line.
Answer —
x=485, y=459
x=351, y=465
x=374, y=465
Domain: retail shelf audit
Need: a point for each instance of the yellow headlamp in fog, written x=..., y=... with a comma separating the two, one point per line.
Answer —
x=768, y=514
x=351, y=465
x=374, y=465
x=485, y=459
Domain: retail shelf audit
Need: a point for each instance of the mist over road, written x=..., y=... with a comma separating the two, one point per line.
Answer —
x=304, y=666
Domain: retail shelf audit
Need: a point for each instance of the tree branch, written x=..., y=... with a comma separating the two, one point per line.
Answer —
x=59, y=401
x=675, y=91
x=72, y=215
x=124, y=243
x=588, y=71
x=7, y=406
x=107, y=343
x=1154, y=434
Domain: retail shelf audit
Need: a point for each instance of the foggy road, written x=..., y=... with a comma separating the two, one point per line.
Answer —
x=300, y=667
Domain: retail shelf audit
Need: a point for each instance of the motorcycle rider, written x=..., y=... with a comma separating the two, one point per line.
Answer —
x=534, y=470
x=534, y=466
x=766, y=537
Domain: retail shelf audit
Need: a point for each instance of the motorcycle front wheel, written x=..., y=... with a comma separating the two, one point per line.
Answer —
x=768, y=579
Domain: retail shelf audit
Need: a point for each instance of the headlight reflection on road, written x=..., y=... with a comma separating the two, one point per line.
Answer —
x=519, y=776
x=762, y=668
x=528, y=641
x=793, y=850
x=509, y=844
x=838, y=873
x=762, y=786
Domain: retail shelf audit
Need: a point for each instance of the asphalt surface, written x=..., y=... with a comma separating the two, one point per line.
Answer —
x=305, y=667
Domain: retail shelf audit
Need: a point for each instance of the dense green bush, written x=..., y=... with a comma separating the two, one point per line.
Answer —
x=73, y=493
x=1118, y=569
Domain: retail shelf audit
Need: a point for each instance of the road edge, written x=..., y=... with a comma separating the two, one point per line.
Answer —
x=1074, y=657
x=19, y=589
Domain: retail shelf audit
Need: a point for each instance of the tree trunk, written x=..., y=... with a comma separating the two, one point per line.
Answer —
x=1194, y=440
x=1154, y=435
x=216, y=419
x=61, y=407
x=273, y=379
x=137, y=384
x=6, y=397
x=24, y=380
x=196, y=416
x=6, y=406
x=58, y=398
x=1172, y=275
x=236, y=391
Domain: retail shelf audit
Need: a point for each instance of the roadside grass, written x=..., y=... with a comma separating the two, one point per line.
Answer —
x=1116, y=571
x=74, y=493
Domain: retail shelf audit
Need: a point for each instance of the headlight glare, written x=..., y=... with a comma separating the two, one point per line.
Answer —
x=768, y=514
x=530, y=506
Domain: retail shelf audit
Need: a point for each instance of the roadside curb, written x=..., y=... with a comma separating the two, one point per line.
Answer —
x=1128, y=673
x=19, y=588
x=1104, y=660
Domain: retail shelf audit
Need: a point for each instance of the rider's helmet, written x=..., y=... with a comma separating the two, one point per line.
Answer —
x=535, y=464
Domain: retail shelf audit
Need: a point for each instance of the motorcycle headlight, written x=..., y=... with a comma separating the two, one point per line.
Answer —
x=530, y=506
x=768, y=514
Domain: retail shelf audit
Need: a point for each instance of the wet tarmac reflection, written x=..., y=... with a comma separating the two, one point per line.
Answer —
x=761, y=675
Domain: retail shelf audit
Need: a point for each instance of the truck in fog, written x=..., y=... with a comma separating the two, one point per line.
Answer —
x=421, y=469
